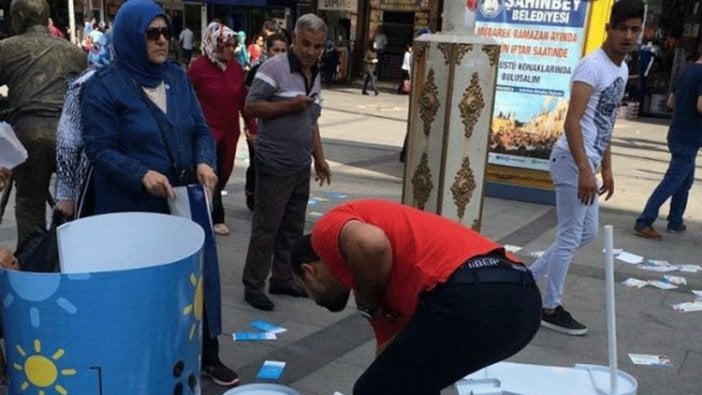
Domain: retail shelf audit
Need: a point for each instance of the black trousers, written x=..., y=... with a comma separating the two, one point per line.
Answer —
x=210, y=344
x=459, y=328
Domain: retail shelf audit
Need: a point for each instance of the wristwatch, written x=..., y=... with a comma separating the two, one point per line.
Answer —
x=366, y=312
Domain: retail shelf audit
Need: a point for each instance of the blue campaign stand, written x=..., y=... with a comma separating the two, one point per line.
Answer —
x=123, y=317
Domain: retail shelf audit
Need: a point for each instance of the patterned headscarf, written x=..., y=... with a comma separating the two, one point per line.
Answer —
x=101, y=53
x=215, y=37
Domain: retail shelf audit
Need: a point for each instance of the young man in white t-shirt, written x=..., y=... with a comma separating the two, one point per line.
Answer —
x=597, y=88
x=186, y=44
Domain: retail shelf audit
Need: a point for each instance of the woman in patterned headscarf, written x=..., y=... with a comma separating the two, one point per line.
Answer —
x=219, y=84
x=71, y=163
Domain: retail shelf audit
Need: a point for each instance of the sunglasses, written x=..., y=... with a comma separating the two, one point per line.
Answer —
x=154, y=33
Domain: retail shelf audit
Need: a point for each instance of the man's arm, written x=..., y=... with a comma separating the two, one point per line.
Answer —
x=368, y=254
x=579, y=97
x=321, y=167
x=265, y=109
x=671, y=102
x=607, y=175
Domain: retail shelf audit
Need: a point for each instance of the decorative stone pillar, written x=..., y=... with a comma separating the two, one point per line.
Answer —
x=453, y=89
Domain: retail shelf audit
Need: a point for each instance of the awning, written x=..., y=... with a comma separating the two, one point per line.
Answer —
x=250, y=3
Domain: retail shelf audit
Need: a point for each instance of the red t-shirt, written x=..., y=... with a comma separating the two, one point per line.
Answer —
x=426, y=250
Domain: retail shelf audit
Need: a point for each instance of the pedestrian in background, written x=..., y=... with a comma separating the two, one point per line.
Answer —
x=30, y=56
x=598, y=84
x=285, y=96
x=145, y=133
x=277, y=44
x=370, y=61
x=684, y=141
x=255, y=49
x=185, y=39
x=241, y=53
x=219, y=83
x=406, y=68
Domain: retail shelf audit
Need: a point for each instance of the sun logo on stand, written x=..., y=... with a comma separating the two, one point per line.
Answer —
x=196, y=307
x=41, y=371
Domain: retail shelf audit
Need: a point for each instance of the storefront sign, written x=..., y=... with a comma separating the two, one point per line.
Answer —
x=541, y=43
x=338, y=5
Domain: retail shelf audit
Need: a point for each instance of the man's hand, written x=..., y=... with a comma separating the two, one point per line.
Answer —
x=66, y=207
x=607, y=184
x=157, y=184
x=5, y=174
x=7, y=260
x=321, y=168
x=587, y=187
x=301, y=103
x=207, y=177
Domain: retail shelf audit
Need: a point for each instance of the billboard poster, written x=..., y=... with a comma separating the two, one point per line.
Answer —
x=541, y=43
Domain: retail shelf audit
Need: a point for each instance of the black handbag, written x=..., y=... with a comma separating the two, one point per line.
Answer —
x=39, y=251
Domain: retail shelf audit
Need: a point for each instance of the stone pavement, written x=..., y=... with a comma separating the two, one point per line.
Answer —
x=362, y=137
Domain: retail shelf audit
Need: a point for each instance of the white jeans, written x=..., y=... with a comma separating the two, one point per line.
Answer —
x=577, y=226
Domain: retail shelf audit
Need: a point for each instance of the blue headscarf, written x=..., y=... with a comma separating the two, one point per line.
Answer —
x=102, y=52
x=129, y=41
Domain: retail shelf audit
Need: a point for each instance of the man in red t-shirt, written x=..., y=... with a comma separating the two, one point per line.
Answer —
x=443, y=300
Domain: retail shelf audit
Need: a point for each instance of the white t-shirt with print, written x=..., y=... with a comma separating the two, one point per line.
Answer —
x=608, y=81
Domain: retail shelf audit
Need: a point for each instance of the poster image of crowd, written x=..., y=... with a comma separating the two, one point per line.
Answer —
x=541, y=43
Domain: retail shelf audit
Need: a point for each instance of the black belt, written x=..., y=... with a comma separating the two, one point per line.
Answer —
x=492, y=269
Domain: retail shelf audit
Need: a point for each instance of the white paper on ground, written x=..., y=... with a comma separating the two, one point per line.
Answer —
x=677, y=280
x=698, y=294
x=630, y=258
x=635, y=283
x=650, y=360
x=662, y=284
x=253, y=336
x=266, y=326
x=615, y=251
x=688, y=306
x=658, y=262
x=658, y=269
x=512, y=248
x=537, y=254
x=689, y=268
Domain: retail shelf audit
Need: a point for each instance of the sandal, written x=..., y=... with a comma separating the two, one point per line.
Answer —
x=221, y=229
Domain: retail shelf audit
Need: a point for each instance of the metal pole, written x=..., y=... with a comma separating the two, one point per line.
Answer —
x=72, y=21
x=611, y=312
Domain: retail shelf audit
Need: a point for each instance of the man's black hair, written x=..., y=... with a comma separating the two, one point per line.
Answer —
x=626, y=9
x=302, y=252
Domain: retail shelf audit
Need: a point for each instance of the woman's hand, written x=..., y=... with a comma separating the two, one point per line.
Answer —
x=66, y=207
x=157, y=184
x=5, y=174
x=7, y=260
x=207, y=177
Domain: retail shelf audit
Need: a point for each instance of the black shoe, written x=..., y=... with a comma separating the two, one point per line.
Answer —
x=561, y=321
x=291, y=290
x=259, y=301
x=364, y=93
x=221, y=375
x=679, y=229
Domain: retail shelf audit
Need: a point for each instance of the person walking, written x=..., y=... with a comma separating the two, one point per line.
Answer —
x=684, y=142
x=285, y=96
x=144, y=133
x=219, y=83
x=598, y=84
x=30, y=56
x=443, y=300
x=370, y=61
x=185, y=39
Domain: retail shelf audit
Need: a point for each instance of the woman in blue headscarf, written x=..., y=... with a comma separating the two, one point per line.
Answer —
x=71, y=162
x=144, y=133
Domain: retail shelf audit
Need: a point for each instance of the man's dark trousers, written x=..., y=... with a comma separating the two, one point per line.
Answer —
x=458, y=329
x=279, y=219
